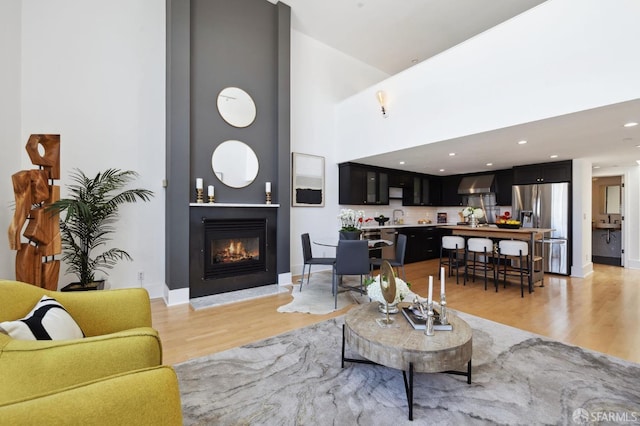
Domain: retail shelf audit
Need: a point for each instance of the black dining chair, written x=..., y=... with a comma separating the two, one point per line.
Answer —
x=398, y=262
x=352, y=258
x=310, y=260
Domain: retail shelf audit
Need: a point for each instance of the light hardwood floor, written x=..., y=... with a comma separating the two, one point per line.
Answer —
x=600, y=312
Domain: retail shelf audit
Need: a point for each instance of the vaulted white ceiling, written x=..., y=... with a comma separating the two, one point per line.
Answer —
x=394, y=35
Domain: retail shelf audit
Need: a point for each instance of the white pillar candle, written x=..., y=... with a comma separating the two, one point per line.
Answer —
x=441, y=281
x=267, y=187
x=210, y=190
x=199, y=183
x=430, y=298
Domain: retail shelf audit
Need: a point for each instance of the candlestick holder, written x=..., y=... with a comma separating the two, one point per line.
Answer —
x=429, y=331
x=268, y=198
x=211, y=199
x=444, y=320
x=199, y=198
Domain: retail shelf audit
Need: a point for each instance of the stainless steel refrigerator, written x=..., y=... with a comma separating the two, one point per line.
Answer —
x=547, y=206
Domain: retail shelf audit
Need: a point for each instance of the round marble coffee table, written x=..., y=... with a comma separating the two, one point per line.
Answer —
x=401, y=347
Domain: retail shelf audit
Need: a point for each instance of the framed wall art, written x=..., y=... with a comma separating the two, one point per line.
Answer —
x=308, y=180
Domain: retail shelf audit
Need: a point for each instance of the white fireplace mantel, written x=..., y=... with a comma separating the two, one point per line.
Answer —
x=231, y=205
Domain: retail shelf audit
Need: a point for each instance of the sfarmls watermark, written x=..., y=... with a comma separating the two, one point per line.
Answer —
x=583, y=417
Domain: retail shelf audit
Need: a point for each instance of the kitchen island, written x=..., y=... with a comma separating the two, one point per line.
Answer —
x=531, y=235
x=423, y=240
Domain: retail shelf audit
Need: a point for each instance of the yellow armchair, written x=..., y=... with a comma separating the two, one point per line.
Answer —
x=119, y=339
x=141, y=397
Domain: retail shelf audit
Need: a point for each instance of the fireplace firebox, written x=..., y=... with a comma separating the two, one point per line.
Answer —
x=231, y=249
x=234, y=247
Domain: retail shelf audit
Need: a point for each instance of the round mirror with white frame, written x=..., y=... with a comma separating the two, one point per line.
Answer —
x=235, y=163
x=236, y=107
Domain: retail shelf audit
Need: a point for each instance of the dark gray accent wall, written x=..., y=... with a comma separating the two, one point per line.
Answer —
x=177, y=134
x=234, y=43
x=284, y=137
x=213, y=44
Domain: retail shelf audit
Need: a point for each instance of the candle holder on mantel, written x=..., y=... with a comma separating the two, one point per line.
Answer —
x=211, y=199
x=199, y=196
x=268, y=198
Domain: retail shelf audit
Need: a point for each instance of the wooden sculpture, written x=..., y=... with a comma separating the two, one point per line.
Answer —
x=33, y=191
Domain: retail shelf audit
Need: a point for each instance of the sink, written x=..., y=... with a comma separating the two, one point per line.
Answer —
x=608, y=226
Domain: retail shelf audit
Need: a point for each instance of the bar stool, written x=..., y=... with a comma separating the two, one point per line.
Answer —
x=455, y=246
x=482, y=248
x=508, y=252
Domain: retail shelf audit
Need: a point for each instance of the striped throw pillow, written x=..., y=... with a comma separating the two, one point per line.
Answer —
x=48, y=320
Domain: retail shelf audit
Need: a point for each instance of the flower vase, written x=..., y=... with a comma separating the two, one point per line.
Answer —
x=350, y=235
x=393, y=308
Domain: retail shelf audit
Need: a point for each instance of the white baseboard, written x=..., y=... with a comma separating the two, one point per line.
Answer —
x=284, y=279
x=181, y=295
x=178, y=296
x=583, y=271
x=633, y=264
x=156, y=291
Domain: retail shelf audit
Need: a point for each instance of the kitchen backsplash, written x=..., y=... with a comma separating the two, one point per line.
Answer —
x=413, y=214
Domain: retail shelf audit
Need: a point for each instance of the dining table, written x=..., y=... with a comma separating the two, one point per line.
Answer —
x=333, y=242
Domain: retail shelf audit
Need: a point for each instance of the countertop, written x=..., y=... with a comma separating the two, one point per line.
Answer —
x=404, y=225
x=493, y=229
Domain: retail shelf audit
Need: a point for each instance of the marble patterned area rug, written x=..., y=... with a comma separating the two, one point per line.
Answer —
x=518, y=378
x=316, y=297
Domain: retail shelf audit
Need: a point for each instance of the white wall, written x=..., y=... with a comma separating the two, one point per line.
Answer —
x=632, y=218
x=320, y=77
x=94, y=72
x=10, y=138
x=581, y=238
x=560, y=57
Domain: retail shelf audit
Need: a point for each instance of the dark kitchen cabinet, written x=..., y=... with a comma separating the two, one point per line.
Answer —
x=450, y=195
x=422, y=192
x=504, y=182
x=399, y=179
x=362, y=185
x=435, y=191
x=423, y=243
x=559, y=171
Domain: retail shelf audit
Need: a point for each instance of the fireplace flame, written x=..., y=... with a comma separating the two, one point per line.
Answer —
x=234, y=251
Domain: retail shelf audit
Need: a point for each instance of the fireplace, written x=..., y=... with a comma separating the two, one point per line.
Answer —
x=231, y=249
x=234, y=247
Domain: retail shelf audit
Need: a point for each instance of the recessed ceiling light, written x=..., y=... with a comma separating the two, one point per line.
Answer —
x=451, y=154
x=522, y=142
x=553, y=156
x=402, y=162
x=637, y=146
x=489, y=164
x=442, y=170
x=630, y=124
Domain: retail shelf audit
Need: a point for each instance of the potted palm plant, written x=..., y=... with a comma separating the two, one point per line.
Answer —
x=91, y=212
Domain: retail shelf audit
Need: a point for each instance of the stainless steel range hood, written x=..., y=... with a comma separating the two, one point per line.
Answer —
x=480, y=184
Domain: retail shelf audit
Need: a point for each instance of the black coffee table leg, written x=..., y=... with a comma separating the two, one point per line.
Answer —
x=342, y=346
x=408, y=387
x=467, y=373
